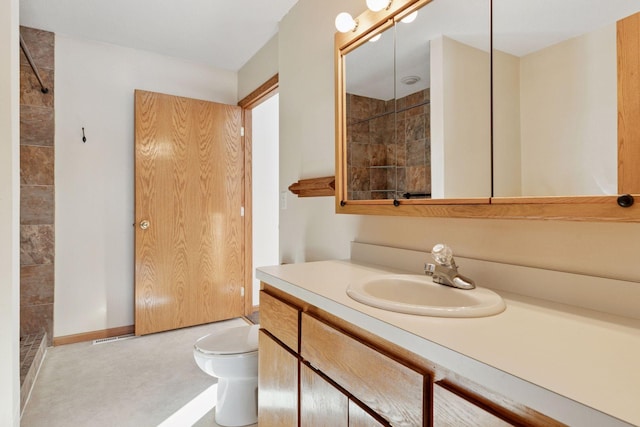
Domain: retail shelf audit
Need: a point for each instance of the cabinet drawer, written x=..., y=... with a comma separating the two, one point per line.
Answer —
x=389, y=388
x=451, y=409
x=280, y=319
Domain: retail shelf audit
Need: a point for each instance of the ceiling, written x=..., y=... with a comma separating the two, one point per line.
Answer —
x=222, y=33
x=520, y=27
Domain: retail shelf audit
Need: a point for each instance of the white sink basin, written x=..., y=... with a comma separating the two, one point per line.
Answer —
x=417, y=294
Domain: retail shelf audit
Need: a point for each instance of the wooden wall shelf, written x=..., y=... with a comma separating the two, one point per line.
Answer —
x=314, y=187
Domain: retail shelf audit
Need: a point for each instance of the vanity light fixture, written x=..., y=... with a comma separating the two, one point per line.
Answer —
x=346, y=23
x=378, y=5
x=410, y=17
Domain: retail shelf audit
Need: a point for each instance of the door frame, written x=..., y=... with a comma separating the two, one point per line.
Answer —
x=248, y=103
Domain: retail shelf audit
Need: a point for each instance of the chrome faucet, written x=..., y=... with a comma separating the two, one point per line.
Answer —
x=445, y=270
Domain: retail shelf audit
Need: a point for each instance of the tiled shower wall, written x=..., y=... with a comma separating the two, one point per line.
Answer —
x=389, y=148
x=37, y=186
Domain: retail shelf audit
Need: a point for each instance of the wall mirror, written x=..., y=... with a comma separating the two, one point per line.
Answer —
x=555, y=99
x=418, y=106
x=539, y=119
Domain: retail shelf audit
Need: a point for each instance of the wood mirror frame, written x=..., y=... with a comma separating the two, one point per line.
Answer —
x=577, y=208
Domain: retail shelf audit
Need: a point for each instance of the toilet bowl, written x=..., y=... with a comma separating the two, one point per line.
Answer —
x=232, y=356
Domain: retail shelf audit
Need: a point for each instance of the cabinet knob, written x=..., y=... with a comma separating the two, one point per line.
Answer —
x=144, y=224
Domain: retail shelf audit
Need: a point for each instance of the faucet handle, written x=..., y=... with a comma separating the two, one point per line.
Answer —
x=443, y=255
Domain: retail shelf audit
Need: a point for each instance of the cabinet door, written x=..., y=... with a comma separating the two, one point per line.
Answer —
x=452, y=410
x=391, y=389
x=358, y=417
x=277, y=384
x=321, y=404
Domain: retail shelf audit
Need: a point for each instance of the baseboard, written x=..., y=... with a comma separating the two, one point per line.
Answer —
x=93, y=335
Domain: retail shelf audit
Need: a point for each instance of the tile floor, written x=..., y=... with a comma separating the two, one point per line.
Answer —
x=137, y=382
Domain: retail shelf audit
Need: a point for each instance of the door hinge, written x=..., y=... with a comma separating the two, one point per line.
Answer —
x=242, y=131
x=241, y=210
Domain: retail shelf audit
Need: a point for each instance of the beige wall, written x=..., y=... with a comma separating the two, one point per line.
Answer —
x=461, y=120
x=9, y=216
x=569, y=117
x=261, y=67
x=506, y=120
x=309, y=228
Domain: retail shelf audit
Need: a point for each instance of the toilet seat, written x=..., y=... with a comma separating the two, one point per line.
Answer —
x=238, y=340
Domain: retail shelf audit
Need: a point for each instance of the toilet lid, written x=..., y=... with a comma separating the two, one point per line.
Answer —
x=242, y=339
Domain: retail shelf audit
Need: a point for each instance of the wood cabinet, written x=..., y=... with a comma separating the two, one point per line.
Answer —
x=451, y=409
x=348, y=376
x=277, y=383
x=324, y=404
x=389, y=388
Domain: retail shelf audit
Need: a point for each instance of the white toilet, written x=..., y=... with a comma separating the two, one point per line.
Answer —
x=232, y=356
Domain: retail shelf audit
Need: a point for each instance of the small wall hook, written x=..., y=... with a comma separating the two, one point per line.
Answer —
x=84, y=138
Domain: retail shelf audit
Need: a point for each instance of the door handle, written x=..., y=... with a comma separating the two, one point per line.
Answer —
x=144, y=224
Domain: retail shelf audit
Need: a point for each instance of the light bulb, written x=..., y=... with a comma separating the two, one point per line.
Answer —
x=378, y=5
x=345, y=22
x=410, y=17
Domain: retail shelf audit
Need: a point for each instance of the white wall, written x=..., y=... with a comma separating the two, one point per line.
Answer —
x=9, y=215
x=569, y=117
x=310, y=230
x=95, y=181
x=461, y=120
x=264, y=174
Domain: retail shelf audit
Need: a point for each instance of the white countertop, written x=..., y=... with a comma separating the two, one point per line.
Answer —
x=578, y=366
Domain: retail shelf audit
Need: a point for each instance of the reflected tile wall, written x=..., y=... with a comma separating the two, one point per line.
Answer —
x=388, y=146
x=37, y=218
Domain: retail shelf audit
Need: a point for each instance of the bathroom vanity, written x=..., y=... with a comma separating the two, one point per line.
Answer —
x=326, y=359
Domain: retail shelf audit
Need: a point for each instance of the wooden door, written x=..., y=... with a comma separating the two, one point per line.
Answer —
x=188, y=199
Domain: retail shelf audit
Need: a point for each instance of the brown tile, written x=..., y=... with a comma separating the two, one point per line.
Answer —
x=377, y=155
x=359, y=179
x=391, y=155
x=360, y=155
x=35, y=318
x=415, y=127
x=377, y=107
x=36, y=284
x=41, y=45
x=36, y=204
x=416, y=111
x=416, y=179
x=36, y=244
x=36, y=125
x=401, y=184
x=392, y=179
x=416, y=153
x=359, y=108
x=30, y=89
x=415, y=98
x=358, y=133
x=401, y=154
x=360, y=195
x=382, y=129
x=36, y=165
x=378, y=179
